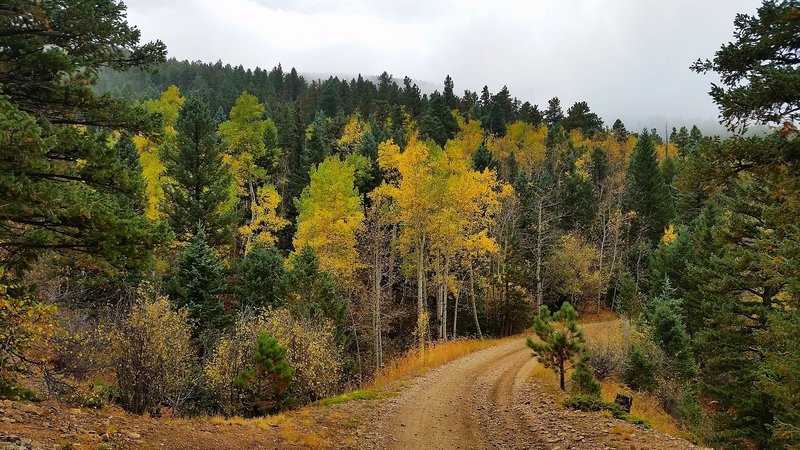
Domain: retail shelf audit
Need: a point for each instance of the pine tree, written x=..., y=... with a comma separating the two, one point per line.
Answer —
x=199, y=193
x=197, y=285
x=619, y=130
x=450, y=99
x=645, y=192
x=63, y=189
x=265, y=383
x=260, y=279
x=553, y=115
x=312, y=292
x=438, y=122
x=559, y=346
x=580, y=117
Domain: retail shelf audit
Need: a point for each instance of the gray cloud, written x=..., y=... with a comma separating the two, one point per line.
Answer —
x=626, y=58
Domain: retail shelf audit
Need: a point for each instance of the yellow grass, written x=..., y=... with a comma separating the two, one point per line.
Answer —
x=436, y=354
x=644, y=406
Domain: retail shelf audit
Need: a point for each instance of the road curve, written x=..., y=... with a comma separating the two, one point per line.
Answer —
x=487, y=400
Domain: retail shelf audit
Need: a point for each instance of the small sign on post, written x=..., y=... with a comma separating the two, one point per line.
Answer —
x=626, y=401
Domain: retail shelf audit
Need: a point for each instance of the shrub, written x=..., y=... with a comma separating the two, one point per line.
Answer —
x=640, y=370
x=310, y=350
x=583, y=381
x=606, y=357
x=24, y=323
x=96, y=394
x=679, y=399
x=10, y=389
x=594, y=403
x=82, y=346
x=153, y=356
x=264, y=384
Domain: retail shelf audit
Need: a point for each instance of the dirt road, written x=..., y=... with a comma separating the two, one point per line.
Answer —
x=487, y=400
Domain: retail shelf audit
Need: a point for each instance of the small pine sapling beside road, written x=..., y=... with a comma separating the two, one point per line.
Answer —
x=265, y=383
x=561, y=340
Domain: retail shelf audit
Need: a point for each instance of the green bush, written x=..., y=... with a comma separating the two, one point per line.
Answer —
x=593, y=403
x=640, y=370
x=10, y=389
x=583, y=381
x=96, y=394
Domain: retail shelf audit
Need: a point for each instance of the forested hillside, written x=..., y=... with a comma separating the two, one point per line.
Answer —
x=222, y=240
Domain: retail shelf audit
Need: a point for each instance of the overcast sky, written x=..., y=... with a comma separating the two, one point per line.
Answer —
x=626, y=58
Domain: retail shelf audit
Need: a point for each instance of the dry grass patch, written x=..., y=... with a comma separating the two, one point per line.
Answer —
x=647, y=407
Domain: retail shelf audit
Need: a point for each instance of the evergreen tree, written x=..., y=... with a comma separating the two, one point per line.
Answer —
x=579, y=116
x=197, y=285
x=663, y=314
x=438, y=122
x=645, y=192
x=450, y=99
x=330, y=103
x=199, y=191
x=695, y=137
x=127, y=153
x=482, y=159
x=62, y=187
x=619, y=130
x=260, y=279
x=558, y=346
x=264, y=384
x=553, y=115
x=681, y=140
x=313, y=292
x=759, y=69
x=530, y=114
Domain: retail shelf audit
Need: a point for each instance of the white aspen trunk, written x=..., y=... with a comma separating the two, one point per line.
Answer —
x=377, y=309
x=445, y=297
x=455, y=314
x=600, y=268
x=539, y=289
x=472, y=299
x=421, y=323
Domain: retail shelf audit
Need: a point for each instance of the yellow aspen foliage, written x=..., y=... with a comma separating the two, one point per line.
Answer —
x=24, y=323
x=669, y=235
x=353, y=133
x=526, y=142
x=153, y=343
x=411, y=188
x=266, y=221
x=572, y=267
x=582, y=165
x=329, y=213
x=619, y=154
x=579, y=140
x=665, y=151
x=168, y=105
x=244, y=137
x=311, y=352
x=152, y=171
